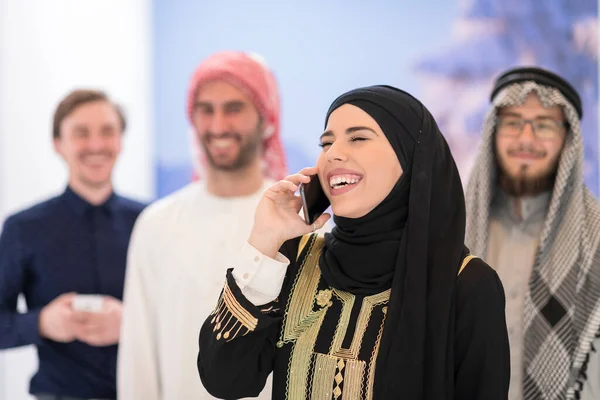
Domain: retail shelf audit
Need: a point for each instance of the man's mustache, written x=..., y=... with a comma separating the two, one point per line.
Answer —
x=527, y=149
x=96, y=153
x=225, y=135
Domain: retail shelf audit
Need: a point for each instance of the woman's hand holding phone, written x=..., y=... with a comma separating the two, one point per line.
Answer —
x=277, y=220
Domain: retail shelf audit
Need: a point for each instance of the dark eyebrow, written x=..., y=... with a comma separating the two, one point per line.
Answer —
x=509, y=113
x=203, y=104
x=349, y=131
x=234, y=104
x=80, y=127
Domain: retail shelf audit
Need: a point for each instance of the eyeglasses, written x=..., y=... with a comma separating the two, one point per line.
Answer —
x=543, y=128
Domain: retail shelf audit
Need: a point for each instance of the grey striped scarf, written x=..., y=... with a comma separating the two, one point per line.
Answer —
x=562, y=306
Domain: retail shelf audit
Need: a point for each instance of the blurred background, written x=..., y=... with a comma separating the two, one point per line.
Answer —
x=142, y=53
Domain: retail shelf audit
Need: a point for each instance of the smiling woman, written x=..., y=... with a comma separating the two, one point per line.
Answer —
x=349, y=152
x=359, y=313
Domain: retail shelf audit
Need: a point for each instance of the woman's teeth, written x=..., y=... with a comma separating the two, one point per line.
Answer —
x=339, y=181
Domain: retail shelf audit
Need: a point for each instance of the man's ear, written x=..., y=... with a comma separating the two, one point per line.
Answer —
x=269, y=130
x=56, y=143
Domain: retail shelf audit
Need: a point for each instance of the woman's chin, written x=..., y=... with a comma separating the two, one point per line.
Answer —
x=348, y=211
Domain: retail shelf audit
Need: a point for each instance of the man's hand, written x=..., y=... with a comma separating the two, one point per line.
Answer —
x=56, y=319
x=102, y=328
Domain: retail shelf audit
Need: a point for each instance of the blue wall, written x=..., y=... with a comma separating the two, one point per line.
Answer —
x=318, y=49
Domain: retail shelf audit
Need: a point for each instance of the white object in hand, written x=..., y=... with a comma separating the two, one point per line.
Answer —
x=88, y=303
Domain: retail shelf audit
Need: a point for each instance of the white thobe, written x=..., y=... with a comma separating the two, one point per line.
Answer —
x=180, y=250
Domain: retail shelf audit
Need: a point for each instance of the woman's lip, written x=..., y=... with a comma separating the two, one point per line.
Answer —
x=341, y=171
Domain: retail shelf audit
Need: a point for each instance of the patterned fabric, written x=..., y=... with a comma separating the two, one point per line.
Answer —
x=331, y=338
x=562, y=307
x=249, y=73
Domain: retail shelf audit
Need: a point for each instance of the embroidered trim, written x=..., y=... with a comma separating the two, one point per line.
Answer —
x=347, y=301
x=303, y=241
x=324, y=298
x=230, y=315
x=353, y=379
x=340, y=374
x=466, y=260
x=299, y=314
x=302, y=356
x=338, y=378
x=371, y=378
x=362, y=322
x=269, y=310
x=323, y=378
x=301, y=324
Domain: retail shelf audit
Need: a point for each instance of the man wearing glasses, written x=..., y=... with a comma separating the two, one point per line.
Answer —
x=530, y=216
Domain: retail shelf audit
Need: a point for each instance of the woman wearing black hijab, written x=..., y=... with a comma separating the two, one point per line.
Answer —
x=390, y=305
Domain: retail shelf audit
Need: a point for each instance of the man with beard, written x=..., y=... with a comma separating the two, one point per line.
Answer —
x=183, y=244
x=530, y=216
x=72, y=244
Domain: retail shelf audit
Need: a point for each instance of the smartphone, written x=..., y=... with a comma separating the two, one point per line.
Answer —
x=88, y=302
x=314, y=200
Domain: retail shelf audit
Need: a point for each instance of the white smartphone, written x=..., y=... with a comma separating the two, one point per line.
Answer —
x=88, y=302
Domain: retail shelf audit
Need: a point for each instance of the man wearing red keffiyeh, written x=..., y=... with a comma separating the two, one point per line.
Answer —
x=183, y=244
x=229, y=141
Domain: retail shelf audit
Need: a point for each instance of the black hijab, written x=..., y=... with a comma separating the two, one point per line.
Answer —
x=412, y=242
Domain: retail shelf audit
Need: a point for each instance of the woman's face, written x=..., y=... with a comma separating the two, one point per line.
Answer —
x=358, y=167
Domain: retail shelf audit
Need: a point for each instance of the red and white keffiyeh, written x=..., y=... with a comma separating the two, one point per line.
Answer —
x=249, y=73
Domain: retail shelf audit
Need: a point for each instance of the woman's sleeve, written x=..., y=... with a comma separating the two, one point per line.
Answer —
x=237, y=341
x=482, y=355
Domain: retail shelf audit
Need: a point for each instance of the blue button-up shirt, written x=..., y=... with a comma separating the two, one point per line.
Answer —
x=64, y=245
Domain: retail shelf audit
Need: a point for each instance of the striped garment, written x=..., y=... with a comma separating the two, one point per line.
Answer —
x=562, y=306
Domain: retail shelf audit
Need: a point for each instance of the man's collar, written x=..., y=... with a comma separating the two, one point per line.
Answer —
x=80, y=205
x=524, y=209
